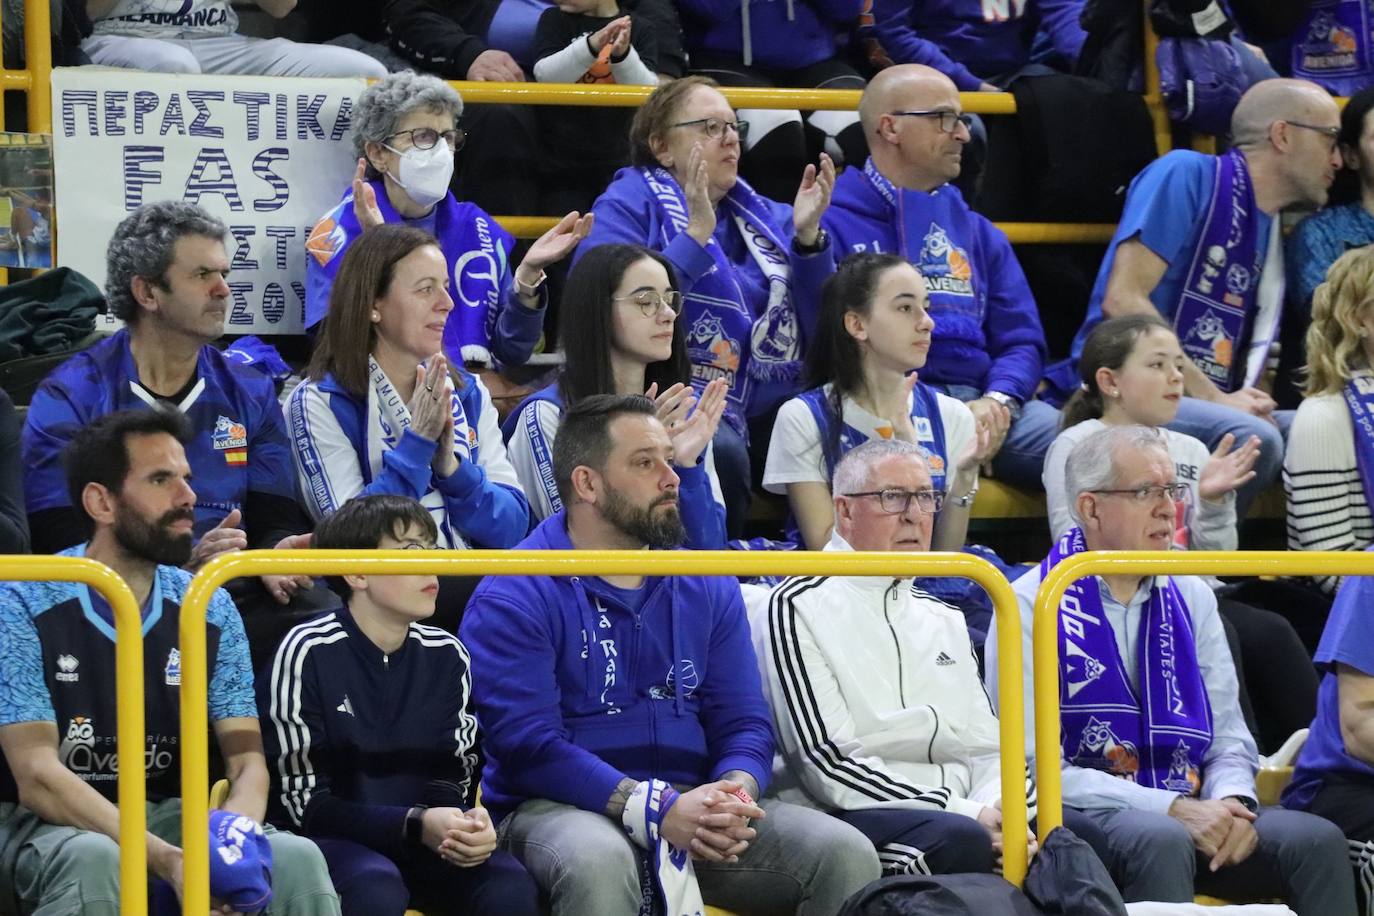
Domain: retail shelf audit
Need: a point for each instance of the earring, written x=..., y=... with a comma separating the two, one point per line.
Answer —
x=1364, y=332
x=376, y=316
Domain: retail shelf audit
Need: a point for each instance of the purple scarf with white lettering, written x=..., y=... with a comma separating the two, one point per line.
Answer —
x=1216, y=312
x=1156, y=737
x=729, y=336
x=1359, y=397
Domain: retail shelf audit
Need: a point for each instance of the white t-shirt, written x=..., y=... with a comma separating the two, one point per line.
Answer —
x=169, y=19
x=796, y=454
x=1202, y=524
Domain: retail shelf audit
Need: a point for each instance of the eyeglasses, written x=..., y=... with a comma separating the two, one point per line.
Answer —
x=715, y=128
x=426, y=137
x=895, y=502
x=1332, y=133
x=949, y=120
x=1150, y=492
x=651, y=303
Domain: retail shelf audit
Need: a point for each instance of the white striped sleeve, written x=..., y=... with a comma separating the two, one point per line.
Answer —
x=465, y=727
x=815, y=731
x=296, y=715
x=530, y=450
x=326, y=461
x=1327, y=508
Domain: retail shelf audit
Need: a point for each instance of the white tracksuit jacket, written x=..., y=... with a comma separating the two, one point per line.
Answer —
x=876, y=698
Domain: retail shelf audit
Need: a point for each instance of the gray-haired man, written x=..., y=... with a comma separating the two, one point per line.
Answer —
x=1156, y=751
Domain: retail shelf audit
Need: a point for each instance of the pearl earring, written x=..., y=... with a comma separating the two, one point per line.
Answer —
x=376, y=316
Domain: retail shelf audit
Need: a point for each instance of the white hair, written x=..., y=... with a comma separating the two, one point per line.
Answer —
x=1092, y=462
x=853, y=471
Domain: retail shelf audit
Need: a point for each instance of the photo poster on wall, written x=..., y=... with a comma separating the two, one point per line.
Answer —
x=26, y=200
x=267, y=155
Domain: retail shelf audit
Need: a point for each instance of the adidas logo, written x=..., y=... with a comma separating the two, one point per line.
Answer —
x=943, y=659
x=346, y=706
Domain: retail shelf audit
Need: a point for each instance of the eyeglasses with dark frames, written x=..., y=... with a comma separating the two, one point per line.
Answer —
x=715, y=128
x=651, y=302
x=427, y=137
x=894, y=501
x=1150, y=492
x=1332, y=133
x=949, y=120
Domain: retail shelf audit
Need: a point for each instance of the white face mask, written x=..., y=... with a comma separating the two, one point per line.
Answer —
x=425, y=173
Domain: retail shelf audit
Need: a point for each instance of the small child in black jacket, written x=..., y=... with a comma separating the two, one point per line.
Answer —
x=372, y=740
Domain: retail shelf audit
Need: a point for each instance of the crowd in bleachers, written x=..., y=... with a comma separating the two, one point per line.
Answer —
x=807, y=304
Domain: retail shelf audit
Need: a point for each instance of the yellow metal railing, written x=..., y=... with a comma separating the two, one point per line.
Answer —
x=129, y=731
x=194, y=750
x=36, y=77
x=1045, y=630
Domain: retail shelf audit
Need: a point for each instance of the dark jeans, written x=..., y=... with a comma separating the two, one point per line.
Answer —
x=371, y=884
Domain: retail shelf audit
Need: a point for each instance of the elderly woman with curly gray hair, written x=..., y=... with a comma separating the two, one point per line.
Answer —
x=405, y=133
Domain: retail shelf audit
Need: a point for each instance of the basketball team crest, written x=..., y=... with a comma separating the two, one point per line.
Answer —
x=945, y=266
x=326, y=239
x=1099, y=743
x=231, y=438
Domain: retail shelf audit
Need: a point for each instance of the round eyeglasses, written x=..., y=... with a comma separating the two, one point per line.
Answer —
x=427, y=137
x=651, y=302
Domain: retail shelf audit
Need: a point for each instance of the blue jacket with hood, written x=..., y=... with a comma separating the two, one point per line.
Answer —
x=575, y=691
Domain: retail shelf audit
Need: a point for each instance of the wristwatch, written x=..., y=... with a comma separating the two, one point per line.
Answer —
x=529, y=290
x=1250, y=804
x=1012, y=405
x=819, y=245
x=414, y=830
x=963, y=502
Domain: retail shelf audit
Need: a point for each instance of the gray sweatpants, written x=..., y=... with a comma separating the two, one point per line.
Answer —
x=46, y=870
x=803, y=861
x=1300, y=858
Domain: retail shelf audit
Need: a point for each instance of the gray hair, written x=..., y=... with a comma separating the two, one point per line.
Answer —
x=143, y=245
x=852, y=472
x=383, y=104
x=1274, y=100
x=1092, y=462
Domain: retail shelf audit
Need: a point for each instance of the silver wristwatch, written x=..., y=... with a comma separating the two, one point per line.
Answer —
x=1012, y=405
x=963, y=502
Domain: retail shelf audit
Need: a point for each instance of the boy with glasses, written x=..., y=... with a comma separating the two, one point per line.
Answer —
x=373, y=744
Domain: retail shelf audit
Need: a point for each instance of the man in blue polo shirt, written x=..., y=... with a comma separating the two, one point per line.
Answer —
x=988, y=348
x=1198, y=244
x=59, y=820
x=166, y=270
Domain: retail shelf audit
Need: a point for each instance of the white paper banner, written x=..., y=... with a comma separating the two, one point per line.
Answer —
x=268, y=155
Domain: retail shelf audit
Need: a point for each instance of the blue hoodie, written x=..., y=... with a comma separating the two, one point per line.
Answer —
x=575, y=691
x=987, y=327
x=782, y=34
x=973, y=41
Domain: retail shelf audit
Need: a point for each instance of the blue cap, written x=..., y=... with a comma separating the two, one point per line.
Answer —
x=240, y=862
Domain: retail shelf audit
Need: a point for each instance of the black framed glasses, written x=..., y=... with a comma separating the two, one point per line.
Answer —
x=1332, y=133
x=1150, y=492
x=715, y=128
x=427, y=137
x=894, y=501
x=949, y=120
x=651, y=302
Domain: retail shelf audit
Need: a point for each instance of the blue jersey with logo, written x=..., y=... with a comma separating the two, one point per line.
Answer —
x=57, y=664
x=240, y=443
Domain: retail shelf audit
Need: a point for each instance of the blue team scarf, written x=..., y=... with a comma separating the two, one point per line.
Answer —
x=946, y=267
x=1157, y=739
x=729, y=336
x=1334, y=48
x=1216, y=312
x=1359, y=397
x=667, y=879
x=478, y=266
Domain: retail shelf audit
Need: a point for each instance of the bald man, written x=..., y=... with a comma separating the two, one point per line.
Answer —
x=988, y=348
x=1198, y=243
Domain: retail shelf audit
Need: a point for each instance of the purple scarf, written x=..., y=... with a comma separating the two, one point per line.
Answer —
x=1216, y=313
x=1359, y=397
x=1156, y=739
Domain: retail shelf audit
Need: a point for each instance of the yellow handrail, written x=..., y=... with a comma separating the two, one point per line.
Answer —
x=1154, y=95
x=1045, y=630
x=129, y=731
x=194, y=750
x=614, y=96
x=531, y=227
x=38, y=64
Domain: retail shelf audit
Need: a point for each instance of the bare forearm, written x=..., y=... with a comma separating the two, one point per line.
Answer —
x=248, y=790
x=1196, y=384
x=276, y=8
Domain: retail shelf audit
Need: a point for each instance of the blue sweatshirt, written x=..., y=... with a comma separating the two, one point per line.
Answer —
x=783, y=34
x=576, y=690
x=355, y=737
x=973, y=41
x=987, y=328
